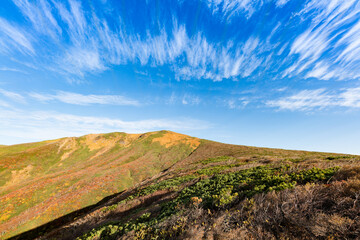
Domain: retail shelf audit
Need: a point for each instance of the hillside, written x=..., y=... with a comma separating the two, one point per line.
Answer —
x=164, y=185
x=43, y=181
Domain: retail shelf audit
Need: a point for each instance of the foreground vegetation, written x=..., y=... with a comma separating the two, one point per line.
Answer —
x=214, y=194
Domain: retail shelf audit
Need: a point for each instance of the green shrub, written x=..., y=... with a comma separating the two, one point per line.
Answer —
x=219, y=191
x=172, y=183
x=245, y=183
x=216, y=159
x=225, y=197
x=214, y=170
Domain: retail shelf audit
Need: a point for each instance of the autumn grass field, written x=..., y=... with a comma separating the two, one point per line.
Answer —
x=164, y=185
x=42, y=181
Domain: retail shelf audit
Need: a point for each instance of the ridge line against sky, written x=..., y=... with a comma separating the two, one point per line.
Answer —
x=221, y=64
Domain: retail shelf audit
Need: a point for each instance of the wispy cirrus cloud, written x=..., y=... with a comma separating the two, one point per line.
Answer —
x=40, y=14
x=80, y=99
x=93, y=46
x=352, y=42
x=202, y=59
x=13, y=96
x=350, y=97
x=14, y=37
x=86, y=42
x=75, y=20
x=9, y=69
x=4, y=104
x=209, y=61
x=281, y=3
x=59, y=21
x=306, y=100
x=235, y=103
x=230, y=8
x=81, y=61
x=327, y=49
x=184, y=99
x=190, y=100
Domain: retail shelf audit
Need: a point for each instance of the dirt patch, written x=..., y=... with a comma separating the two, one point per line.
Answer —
x=69, y=145
x=98, y=141
x=18, y=176
x=95, y=142
x=130, y=138
x=171, y=139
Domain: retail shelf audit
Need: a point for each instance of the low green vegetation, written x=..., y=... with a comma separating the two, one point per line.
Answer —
x=216, y=159
x=220, y=191
x=166, y=184
x=169, y=184
x=216, y=169
x=246, y=183
x=338, y=157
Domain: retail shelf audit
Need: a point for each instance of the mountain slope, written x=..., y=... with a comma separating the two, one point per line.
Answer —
x=42, y=181
x=166, y=185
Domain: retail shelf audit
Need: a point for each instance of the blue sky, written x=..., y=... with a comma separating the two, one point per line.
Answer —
x=274, y=73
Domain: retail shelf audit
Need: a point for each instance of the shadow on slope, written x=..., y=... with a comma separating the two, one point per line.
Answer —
x=61, y=221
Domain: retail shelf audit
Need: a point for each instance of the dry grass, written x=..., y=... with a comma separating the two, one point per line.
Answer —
x=17, y=176
x=306, y=212
x=171, y=139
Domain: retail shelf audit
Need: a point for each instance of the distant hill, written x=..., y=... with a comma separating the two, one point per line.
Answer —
x=165, y=185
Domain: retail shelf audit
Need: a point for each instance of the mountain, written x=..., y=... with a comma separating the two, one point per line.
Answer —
x=164, y=185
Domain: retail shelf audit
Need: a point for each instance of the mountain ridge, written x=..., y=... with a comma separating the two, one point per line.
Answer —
x=45, y=181
x=77, y=158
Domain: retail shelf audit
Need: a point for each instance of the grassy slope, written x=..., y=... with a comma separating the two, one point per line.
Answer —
x=42, y=181
x=226, y=191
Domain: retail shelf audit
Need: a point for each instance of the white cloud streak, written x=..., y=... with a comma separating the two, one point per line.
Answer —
x=4, y=104
x=232, y=8
x=236, y=103
x=321, y=41
x=185, y=99
x=350, y=98
x=203, y=59
x=209, y=61
x=7, y=69
x=11, y=36
x=307, y=100
x=190, y=100
x=13, y=96
x=39, y=13
x=80, y=99
x=229, y=8
x=281, y=3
